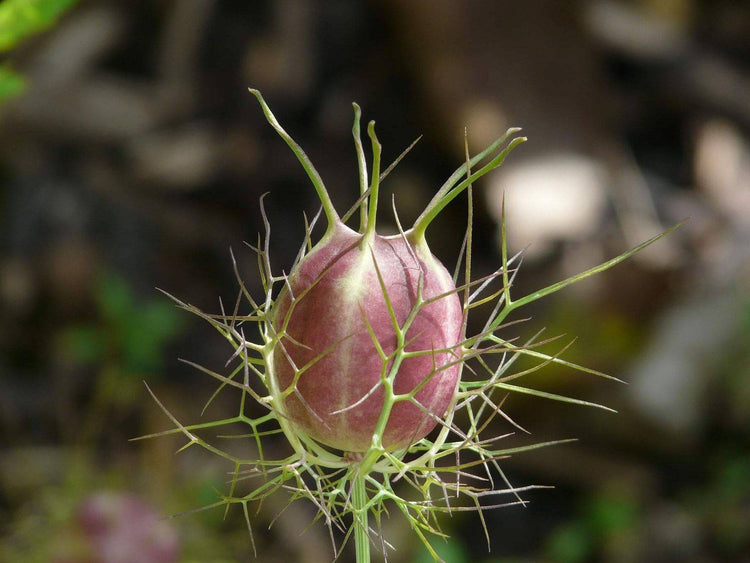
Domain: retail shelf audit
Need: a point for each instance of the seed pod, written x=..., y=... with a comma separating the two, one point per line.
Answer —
x=361, y=357
x=357, y=320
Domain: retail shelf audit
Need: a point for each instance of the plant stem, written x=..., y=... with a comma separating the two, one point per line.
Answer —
x=331, y=216
x=375, y=183
x=449, y=190
x=362, y=164
x=359, y=503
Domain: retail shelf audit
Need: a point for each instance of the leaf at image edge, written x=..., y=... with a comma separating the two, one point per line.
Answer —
x=12, y=84
x=21, y=18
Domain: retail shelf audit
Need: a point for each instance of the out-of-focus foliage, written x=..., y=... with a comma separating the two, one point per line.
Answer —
x=50, y=524
x=449, y=550
x=11, y=83
x=127, y=331
x=606, y=524
x=724, y=505
x=21, y=18
x=18, y=20
x=122, y=345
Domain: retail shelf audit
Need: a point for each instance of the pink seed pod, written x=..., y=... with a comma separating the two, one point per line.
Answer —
x=362, y=352
x=340, y=316
x=367, y=332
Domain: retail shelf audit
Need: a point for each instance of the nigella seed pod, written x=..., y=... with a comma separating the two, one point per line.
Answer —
x=362, y=350
x=341, y=316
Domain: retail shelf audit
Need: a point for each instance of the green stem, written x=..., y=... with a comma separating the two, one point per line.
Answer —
x=445, y=197
x=375, y=182
x=362, y=164
x=331, y=214
x=359, y=503
x=429, y=213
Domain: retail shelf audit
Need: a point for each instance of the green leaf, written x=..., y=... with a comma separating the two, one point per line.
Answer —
x=12, y=84
x=161, y=320
x=452, y=551
x=612, y=513
x=571, y=543
x=144, y=334
x=21, y=18
x=85, y=344
x=114, y=298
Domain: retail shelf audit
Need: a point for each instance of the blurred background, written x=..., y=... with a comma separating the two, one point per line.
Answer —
x=133, y=157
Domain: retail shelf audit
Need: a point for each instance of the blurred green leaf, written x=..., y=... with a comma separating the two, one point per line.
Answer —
x=732, y=480
x=21, y=18
x=141, y=353
x=11, y=83
x=114, y=299
x=144, y=334
x=120, y=390
x=604, y=516
x=725, y=502
x=161, y=320
x=451, y=550
x=570, y=543
x=130, y=332
x=609, y=514
x=83, y=344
